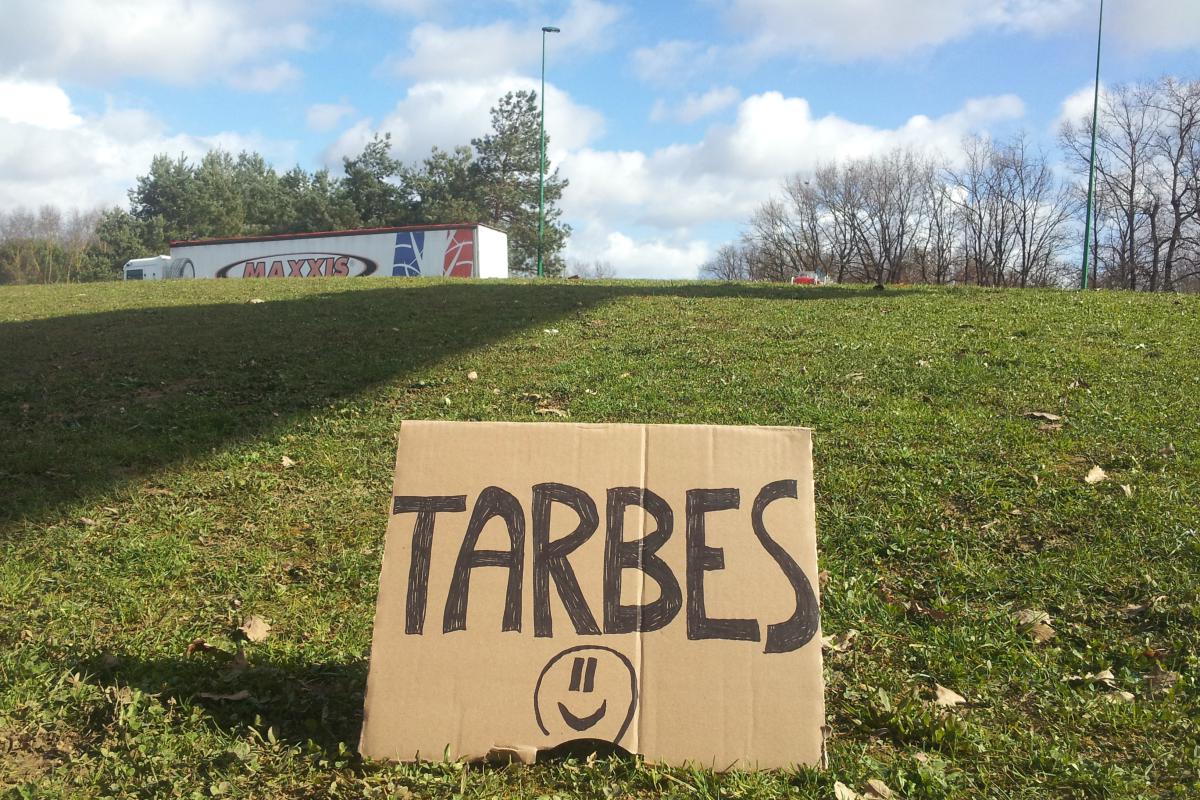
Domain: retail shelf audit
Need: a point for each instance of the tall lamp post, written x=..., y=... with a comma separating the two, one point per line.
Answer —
x=542, y=153
x=1087, y=224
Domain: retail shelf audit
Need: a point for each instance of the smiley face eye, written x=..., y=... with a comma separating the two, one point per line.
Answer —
x=588, y=674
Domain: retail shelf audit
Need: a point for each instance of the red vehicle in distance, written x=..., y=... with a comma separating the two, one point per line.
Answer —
x=810, y=279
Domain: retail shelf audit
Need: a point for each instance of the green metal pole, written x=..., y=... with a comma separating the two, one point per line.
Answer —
x=542, y=161
x=1087, y=224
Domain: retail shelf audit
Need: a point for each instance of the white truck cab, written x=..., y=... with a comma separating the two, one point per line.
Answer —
x=158, y=268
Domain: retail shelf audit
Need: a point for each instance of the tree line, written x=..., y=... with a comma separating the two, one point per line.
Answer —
x=1001, y=213
x=493, y=180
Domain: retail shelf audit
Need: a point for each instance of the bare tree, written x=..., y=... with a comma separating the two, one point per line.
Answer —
x=841, y=201
x=776, y=242
x=892, y=211
x=1040, y=210
x=1124, y=131
x=1174, y=145
x=731, y=263
x=936, y=253
x=598, y=269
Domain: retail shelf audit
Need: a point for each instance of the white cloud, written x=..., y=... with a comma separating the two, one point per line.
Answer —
x=734, y=167
x=450, y=113
x=674, y=61
x=325, y=116
x=266, y=78
x=850, y=30
x=40, y=104
x=868, y=29
x=695, y=107
x=650, y=257
x=653, y=214
x=54, y=155
x=1144, y=25
x=436, y=52
x=179, y=41
x=403, y=6
x=1077, y=106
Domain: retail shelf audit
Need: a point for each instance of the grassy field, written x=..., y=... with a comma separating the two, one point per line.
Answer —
x=144, y=505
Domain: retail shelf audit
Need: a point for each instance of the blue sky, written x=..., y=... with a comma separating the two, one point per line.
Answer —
x=672, y=120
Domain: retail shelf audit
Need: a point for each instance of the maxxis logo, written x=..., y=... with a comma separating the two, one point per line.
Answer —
x=300, y=265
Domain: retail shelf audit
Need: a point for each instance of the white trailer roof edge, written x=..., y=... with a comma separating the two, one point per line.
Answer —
x=330, y=234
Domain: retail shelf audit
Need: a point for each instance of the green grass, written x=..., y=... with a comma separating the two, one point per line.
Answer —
x=143, y=505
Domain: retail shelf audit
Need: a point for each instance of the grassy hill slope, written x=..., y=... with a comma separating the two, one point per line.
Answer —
x=144, y=505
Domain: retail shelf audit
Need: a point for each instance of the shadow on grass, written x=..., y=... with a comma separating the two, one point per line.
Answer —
x=301, y=701
x=89, y=400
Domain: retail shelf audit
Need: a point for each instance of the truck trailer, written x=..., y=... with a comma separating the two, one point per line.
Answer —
x=455, y=251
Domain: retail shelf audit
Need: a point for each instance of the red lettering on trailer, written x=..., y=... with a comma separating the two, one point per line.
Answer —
x=299, y=265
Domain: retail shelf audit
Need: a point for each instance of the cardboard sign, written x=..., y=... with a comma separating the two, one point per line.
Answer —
x=652, y=586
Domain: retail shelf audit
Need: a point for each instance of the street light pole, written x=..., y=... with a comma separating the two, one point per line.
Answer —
x=1087, y=223
x=542, y=154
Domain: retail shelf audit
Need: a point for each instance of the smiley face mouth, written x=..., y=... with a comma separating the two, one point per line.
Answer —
x=583, y=723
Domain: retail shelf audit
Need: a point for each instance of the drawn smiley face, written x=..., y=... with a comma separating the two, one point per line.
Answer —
x=589, y=691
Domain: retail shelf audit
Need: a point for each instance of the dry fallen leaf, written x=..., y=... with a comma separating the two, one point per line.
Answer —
x=1134, y=609
x=1050, y=427
x=238, y=695
x=550, y=331
x=1096, y=475
x=878, y=790
x=1103, y=678
x=1029, y=616
x=1127, y=489
x=86, y=522
x=840, y=643
x=1168, y=451
x=1137, y=609
x=1161, y=681
x=1046, y=415
x=200, y=646
x=843, y=792
x=287, y=463
x=948, y=698
x=1041, y=633
x=1036, y=623
x=1118, y=697
x=256, y=300
x=472, y=375
x=923, y=363
x=255, y=628
x=822, y=578
x=558, y=412
x=917, y=608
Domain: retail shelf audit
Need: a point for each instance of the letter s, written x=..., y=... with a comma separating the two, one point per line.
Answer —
x=796, y=631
